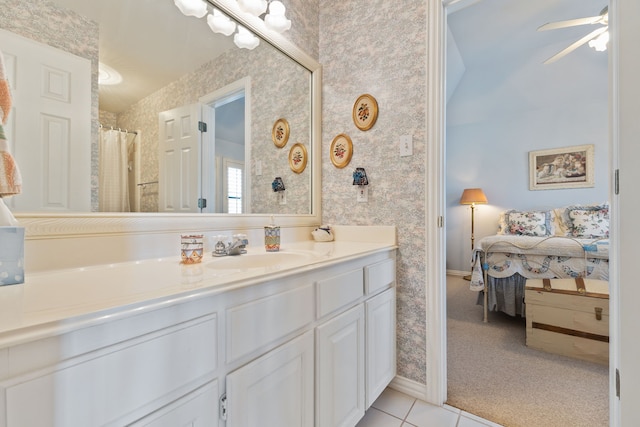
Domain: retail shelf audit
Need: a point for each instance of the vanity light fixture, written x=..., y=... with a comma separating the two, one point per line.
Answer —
x=197, y=8
x=275, y=19
x=245, y=39
x=220, y=23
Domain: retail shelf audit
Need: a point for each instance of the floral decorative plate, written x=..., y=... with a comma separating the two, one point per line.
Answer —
x=298, y=158
x=341, y=150
x=280, y=133
x=365, y=112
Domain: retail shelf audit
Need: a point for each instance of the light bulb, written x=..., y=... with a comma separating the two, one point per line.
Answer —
x=254, y=7
x=220, y=23
x=245, y=39
x=275, y=19
x=197, y=8
x=600, y=42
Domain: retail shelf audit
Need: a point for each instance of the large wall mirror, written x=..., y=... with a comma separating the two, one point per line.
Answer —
x=111, y=103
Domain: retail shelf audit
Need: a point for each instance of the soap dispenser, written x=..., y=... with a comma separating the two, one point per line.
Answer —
x=272, y=237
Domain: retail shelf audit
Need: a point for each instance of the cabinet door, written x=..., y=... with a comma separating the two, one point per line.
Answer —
x=340, y=364
x=275, y=390
x=197, y=409
x=381, y=343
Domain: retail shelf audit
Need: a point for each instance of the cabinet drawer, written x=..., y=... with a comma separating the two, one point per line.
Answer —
x=197, y=409
x=379, y=276
x=338, y=291
x=259, y=323
x=122, y=382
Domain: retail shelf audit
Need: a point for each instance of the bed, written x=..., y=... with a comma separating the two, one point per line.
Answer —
x=567, y=242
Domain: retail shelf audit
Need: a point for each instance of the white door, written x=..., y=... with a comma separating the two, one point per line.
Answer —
x=275, y=390
x=179, y=159
x=340, y=365
x=381, y=343
x=49, y=128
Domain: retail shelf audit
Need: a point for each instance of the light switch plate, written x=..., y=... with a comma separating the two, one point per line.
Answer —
x=406, y=145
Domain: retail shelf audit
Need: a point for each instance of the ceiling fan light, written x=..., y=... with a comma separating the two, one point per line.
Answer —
x=254, y=7
x=197, y=8
x=220, y=23
x=600, y=42
x=244, y=39
x=275, y=19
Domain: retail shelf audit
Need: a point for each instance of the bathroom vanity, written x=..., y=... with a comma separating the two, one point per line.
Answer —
x=306, y=338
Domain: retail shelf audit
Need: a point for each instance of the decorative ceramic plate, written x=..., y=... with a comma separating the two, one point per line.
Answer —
x=341, y=150
x=298, y=158
x=280, y=133
x=365, y=112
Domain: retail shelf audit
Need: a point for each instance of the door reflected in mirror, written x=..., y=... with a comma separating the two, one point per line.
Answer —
x=195, y=111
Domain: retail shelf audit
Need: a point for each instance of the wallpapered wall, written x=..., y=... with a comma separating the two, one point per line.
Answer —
x=279, y=88
x=44, y=22
x=362, y=50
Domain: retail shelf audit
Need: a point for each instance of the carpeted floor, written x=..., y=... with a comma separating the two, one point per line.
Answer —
x=492, y=374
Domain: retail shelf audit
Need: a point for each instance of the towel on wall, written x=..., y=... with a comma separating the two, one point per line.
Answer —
x=10, y=178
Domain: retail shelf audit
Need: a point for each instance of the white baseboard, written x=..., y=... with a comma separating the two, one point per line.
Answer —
x=458, y=273
x=409, y=387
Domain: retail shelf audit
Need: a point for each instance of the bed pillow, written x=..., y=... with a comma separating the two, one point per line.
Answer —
x=587, y=222
x=526, y=223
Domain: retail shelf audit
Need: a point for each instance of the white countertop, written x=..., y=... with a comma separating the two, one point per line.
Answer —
x=50, y=302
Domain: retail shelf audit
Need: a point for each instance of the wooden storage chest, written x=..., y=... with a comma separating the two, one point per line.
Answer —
x=569, y=317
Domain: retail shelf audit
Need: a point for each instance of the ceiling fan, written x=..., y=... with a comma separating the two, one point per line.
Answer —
x=597, y=38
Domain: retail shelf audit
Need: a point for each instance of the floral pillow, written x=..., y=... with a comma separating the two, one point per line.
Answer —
x=533, y=223
x=587, y=222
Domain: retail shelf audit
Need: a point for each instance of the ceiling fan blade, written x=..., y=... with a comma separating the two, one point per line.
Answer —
x=570, y=23
x=575, y=45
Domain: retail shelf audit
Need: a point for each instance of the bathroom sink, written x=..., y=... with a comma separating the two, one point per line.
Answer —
x=265, y=260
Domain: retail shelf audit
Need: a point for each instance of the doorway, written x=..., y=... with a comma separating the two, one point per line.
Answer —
x=228, y=184
x=436, y=376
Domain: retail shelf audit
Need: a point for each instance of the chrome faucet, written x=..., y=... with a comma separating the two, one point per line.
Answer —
x=236, y=247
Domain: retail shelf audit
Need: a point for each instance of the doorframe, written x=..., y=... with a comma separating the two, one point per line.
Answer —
x=229, y=93
x=436, y=315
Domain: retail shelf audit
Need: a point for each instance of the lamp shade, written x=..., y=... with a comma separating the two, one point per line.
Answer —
x=472, y=196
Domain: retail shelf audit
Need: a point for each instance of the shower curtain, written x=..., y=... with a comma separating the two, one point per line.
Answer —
x=115, y=150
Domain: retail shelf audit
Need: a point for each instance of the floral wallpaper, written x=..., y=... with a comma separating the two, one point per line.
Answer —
x=279, y=88
x=363, y=50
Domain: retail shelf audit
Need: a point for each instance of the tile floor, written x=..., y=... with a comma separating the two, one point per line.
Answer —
x=396, y=409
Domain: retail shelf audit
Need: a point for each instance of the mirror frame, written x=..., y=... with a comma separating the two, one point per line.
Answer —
x=52, y=225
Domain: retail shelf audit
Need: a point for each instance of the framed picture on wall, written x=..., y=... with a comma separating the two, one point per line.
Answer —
x=569, y=167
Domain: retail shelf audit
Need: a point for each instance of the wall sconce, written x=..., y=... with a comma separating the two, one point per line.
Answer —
x=278, y=187
x=360, y=179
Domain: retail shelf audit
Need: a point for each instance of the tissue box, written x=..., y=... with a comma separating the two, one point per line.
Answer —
x=11, y=255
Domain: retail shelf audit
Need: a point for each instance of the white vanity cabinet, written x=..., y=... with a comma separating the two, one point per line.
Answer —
x=313, y=346
x=116, y=372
